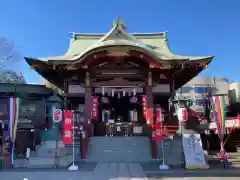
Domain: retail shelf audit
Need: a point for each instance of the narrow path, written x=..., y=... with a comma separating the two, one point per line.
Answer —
x=119, y=171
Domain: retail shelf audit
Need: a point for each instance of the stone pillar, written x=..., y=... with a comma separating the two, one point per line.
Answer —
x=88, y=103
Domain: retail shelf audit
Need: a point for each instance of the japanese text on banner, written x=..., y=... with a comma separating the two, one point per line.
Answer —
x=67, y=127
x=94, y=107
x=144, y=104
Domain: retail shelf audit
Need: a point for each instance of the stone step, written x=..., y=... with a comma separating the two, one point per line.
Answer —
x=131, y=151
x=115, y=140
x=51, y=152
x=117, y=154
x=120, y=149
x=140, y=148
x=117, y=160
x=41, y=162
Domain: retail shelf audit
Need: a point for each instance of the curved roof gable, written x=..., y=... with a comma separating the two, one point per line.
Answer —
x=155, y=44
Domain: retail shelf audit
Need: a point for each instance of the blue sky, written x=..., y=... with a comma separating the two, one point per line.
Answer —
x=41, y=28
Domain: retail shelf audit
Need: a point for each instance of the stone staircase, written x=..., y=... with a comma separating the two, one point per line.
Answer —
x=116, y=149
x=45, y=156
x=119, y=149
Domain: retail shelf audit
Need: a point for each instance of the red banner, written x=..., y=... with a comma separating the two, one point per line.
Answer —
x=144, y=106
x=158, y=115
x=158, y=132
x=67, y=126
x=95, y=107
x=149, y=116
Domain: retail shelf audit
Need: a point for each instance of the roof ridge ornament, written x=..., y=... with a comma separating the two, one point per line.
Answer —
x=119, y=22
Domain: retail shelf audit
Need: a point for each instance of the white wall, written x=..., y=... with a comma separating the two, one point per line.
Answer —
x=234, y=92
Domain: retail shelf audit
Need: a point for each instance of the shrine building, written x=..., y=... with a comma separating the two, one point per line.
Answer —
x=118, y=76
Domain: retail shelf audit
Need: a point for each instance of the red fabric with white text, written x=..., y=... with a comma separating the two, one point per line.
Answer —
x=67, y=126
x=144, y=105
x=94, y=107
x=158, y=132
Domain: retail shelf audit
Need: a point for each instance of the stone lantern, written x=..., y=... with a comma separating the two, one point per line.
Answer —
x=52, y=131
x=180, y=103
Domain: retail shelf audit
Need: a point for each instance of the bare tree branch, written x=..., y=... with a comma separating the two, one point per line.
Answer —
x=6, y=48
x=9, y=56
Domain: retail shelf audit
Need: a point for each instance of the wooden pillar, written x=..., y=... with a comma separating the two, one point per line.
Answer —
x=150, y=116
x=150, y=105
x=172, y=87
x=65, y=100
x=172, y=92
x=88, y=103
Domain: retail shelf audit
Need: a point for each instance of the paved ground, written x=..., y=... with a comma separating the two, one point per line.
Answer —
x=195, y=178
x=89, y=176
x=221, y=174
x=104, y=171
x=118, y=171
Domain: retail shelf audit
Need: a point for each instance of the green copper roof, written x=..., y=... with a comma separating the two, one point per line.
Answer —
x=153, y=44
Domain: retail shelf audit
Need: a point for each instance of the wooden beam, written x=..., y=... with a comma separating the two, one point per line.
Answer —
x=161, y=81
x=185, y=75
x=117, y=71
x=117, y=82
x=145, y=58
x=92, y=59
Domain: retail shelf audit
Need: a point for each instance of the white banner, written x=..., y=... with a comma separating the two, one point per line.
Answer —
x=193, y=152
x=133, y=116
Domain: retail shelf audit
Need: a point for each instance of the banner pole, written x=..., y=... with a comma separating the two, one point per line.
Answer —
x=162, y=144
x=56, y=146
x=73, y=157
x=162, y=166
x=73, y=167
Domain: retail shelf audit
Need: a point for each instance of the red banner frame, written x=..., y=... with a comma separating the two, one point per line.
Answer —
x=95, y=104
x=67, y=127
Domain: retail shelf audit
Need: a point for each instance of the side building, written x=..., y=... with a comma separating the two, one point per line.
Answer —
x=234, y=96
x=234, y=92
x=199, y=87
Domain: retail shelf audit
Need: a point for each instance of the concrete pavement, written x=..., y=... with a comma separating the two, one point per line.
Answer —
x=118, y=171
x=103, y=171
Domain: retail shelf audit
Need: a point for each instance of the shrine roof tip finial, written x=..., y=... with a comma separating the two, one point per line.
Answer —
x=118, y=17
x=119, y=21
